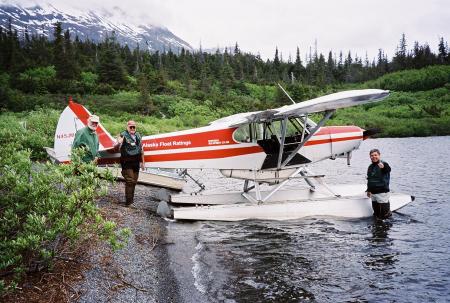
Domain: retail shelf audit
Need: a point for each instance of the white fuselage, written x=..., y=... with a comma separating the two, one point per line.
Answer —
x=209, y=147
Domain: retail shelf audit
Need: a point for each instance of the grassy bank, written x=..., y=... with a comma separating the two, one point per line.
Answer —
x=419, y=105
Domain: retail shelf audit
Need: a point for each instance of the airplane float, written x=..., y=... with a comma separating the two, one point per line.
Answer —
x=271, y=147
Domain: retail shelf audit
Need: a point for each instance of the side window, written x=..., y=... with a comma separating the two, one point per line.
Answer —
x=242, y=134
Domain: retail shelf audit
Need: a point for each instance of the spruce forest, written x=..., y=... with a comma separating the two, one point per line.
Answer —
x=170, y=90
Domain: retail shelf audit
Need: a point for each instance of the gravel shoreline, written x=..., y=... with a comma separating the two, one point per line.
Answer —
x=140, y=271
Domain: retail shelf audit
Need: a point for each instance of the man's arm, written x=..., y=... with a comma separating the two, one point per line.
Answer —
x=120, y=139
x=368, y=193
x=386, y=168
x=143, y=158
x=97, y=155
x=77, y=141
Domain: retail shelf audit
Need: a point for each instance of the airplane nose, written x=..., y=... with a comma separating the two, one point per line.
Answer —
x=370, y=132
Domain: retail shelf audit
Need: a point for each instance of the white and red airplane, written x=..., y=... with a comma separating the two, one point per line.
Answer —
x=272, y=146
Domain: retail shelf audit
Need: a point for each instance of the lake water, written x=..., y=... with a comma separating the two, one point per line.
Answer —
x=403, y=259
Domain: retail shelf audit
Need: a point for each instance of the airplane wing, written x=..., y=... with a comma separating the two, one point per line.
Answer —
x=333, y=101
x=324, y=103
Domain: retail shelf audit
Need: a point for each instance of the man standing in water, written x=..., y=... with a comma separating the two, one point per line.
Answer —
x=87, y=138
x=131, y=157
x=378, y=177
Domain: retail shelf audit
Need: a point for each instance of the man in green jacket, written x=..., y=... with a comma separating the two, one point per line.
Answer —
x=87, y=138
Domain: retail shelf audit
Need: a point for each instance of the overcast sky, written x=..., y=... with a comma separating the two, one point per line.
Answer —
x=261, y=25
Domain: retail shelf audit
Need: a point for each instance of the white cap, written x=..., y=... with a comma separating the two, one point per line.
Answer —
x=94, y=118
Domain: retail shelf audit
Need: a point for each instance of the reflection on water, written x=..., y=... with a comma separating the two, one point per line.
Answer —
x=402, y=259
x=381, y=242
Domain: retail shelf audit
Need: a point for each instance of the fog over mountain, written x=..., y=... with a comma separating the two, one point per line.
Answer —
x=89, y=24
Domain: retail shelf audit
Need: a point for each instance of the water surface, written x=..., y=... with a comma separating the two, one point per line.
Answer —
x=402, y=259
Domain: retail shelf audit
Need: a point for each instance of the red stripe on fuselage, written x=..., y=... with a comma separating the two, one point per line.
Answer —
x=329, y=140
x=222, y=137
x=229, y=152
x=83, y=115
x=214, y=138
x=206, y=154
x=203, y=139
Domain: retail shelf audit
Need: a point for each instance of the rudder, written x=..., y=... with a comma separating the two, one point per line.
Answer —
x=74, y=117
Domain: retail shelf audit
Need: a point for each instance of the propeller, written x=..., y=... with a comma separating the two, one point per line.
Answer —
x=370, y=132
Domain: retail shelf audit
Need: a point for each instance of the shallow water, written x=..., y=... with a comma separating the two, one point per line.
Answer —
x=403, y=259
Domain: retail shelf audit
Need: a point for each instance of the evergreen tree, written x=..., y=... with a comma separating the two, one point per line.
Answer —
x=348, y=68
x=11, y=50
x=276, y=65
x=340, y=72
x=299, y=69
x=110, y=68
x=237, y=51
x=330, y=71
x=71, y=70
x=400, y=59
x=58, y=49
x=442, y=55
x=145, y=101
x=205, y=79
x=227, y=77
x=320, y=71
x=429, y=57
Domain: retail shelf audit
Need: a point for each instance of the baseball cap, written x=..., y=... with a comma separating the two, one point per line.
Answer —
x=94, y=118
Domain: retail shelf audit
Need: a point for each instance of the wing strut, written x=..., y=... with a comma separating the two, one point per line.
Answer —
x=327, y=116
x=283, y=137
x=285, y=92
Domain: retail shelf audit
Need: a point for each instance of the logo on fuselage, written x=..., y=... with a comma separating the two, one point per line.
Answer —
x=174, y=143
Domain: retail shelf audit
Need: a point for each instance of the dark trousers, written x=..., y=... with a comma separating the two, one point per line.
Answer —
x=381, y=210
x=131, y=176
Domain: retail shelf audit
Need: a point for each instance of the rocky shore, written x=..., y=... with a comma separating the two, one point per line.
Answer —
x=93, y=272
x=139, y=272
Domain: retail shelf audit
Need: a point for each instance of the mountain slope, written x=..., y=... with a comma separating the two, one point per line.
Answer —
x=40, y=19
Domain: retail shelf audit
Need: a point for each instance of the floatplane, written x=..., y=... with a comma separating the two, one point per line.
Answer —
x=270, y=147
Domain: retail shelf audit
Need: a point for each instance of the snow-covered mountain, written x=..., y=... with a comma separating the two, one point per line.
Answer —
x=90, y=25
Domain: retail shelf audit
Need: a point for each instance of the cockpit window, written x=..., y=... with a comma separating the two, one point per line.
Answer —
x=247, y=133
x=242, y=134
x=253, y=132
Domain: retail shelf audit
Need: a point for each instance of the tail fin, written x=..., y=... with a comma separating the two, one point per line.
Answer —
x=73, y=118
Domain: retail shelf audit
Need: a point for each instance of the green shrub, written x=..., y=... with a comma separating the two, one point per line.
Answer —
x=37, y=80
x=89, y=81
x=415, y=80
x=104, y=89
x=32, y=131
x=262, y=92
x=43, y=206
x=176, y=88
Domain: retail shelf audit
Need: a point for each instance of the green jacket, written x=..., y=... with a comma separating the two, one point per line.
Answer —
x=88, y=138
